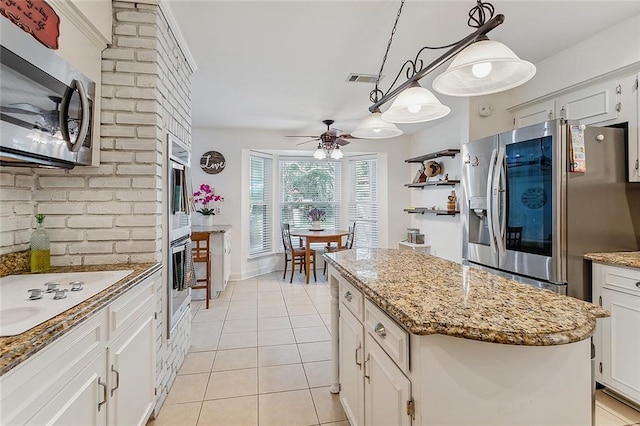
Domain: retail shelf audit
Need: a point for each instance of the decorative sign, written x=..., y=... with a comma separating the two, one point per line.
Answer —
x=212, y=162
x=35, y=17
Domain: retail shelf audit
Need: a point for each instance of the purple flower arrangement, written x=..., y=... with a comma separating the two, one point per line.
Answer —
x=204, y=196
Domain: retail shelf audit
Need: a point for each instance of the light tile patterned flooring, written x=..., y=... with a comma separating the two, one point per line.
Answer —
x=260, y=356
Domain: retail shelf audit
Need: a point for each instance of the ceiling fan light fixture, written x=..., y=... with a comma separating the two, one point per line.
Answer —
x=483, y=68
x=415, y=105
x=374, y=127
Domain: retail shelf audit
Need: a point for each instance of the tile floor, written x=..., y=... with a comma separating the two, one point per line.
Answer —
x=260, y=356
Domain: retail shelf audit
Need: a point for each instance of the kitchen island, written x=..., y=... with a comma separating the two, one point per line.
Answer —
x=426, y=341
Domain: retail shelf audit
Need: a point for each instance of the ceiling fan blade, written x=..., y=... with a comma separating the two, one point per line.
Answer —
x=312, y=140
x=342, y=142
x=301, y=136
x=28, y=107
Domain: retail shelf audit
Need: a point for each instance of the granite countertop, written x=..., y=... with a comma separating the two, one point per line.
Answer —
x=211, y=228
x=630, y=259
x=16, y=349
x=430, y=295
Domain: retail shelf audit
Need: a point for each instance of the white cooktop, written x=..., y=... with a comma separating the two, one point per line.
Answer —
x=18, y=313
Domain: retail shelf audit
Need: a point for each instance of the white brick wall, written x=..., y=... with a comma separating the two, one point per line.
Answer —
x=113, y=213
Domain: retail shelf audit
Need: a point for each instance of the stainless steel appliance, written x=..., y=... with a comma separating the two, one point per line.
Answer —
x=526, y=215
x=178, y=231
x=46, y=106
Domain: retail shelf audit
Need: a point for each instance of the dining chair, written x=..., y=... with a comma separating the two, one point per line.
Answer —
x=295, y=255
x=348, y=244
x=201, y=252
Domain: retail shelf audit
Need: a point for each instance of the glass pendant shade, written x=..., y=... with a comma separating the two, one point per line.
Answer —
x=374, y=127
x=319, y=154
x=483, y=68
x=337, y=153
x=415, y=105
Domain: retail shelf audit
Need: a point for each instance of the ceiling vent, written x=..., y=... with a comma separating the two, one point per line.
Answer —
x=363, y=78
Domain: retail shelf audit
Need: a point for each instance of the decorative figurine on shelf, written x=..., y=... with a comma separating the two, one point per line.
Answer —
x=420, y=176
x=446, y=177
x=451, y=203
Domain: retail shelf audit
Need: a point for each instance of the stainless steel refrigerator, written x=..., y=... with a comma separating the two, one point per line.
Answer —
x=536, y=199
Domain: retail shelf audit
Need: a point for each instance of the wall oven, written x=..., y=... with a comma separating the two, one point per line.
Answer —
x=178, y=232
x=46, y=107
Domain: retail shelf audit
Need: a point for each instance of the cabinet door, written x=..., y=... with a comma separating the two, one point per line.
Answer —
x=621, y=343
x=227, y=258
x=132, y=372
x=534, y=114
x=596, y=297
x=81, y=402
x=634, y=129
x=351, y=360
x=386, y=390
x=593, y=104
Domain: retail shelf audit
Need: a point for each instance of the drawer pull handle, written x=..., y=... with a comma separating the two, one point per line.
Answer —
x=104, y=393
x=348, y=296
x=117, y=380
x=638, y=284
x=358, y=350
x=366, y=376
x=380, y=330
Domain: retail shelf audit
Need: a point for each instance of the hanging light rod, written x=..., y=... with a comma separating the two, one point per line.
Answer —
x=457, y=48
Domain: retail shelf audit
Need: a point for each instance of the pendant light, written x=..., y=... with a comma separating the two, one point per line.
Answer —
x=337, y=154
x=374, y=127
x=483, y=68
x=415, y=105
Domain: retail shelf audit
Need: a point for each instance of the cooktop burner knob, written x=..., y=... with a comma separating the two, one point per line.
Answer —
x=36, y=293
x=76, y=285
x=60, y=294
x=52, y=286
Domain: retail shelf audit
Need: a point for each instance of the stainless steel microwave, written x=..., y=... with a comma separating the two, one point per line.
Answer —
x=46, y=106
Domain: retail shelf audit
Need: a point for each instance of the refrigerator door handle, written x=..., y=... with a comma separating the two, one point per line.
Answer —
x=490, y=211
x=500, y=198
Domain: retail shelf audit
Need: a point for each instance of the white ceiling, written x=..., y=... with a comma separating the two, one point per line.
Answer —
x=284, y=65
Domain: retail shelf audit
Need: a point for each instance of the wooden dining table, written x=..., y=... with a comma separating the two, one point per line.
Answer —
x=323, y=236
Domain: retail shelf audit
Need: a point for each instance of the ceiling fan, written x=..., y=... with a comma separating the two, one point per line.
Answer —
x=329, y=142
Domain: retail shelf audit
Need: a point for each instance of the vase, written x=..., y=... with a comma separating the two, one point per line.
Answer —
x=315, y=224
x=199, y=219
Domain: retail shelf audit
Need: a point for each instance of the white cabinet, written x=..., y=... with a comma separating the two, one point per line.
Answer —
x=596, y=103
x=601, y=103
x=351, y=359
x=220, y=260
x=535, y=113
x=101, y=372
x=81, y=402
x=387, y=391
x=373, y=388
x=618, y=344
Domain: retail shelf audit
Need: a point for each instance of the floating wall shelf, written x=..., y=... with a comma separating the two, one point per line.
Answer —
x=444, y=153
x=423, y=210
x=423, y=185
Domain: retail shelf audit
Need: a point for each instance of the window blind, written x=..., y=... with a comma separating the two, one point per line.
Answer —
x=305, y=184
x=363, y=201
x=260, y=204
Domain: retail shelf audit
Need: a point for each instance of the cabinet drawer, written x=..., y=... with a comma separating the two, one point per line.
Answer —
x=130, y=306
x=621, y=279
x=391, y=337
x=352, y=298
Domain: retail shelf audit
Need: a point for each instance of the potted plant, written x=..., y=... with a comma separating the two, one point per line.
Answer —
x=203, y=197
x=316, y=216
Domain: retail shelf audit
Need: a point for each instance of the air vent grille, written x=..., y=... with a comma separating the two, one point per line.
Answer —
x=362, y=78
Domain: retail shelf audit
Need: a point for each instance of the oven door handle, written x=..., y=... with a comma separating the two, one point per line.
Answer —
x=490, y=212
x=76, y=85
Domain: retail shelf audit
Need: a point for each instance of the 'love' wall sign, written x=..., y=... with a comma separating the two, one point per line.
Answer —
x=212, y=162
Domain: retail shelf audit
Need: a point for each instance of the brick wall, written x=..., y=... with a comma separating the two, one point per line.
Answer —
x=146, y=93
x=113, y=213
